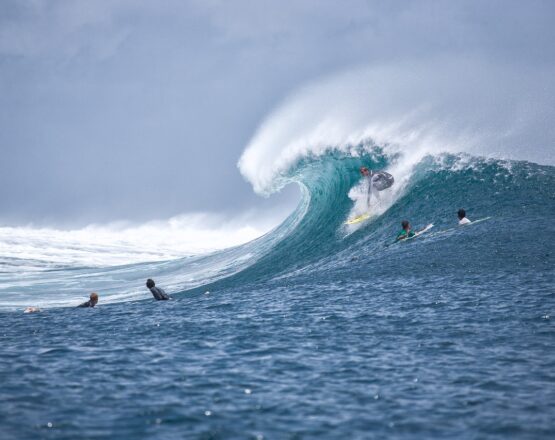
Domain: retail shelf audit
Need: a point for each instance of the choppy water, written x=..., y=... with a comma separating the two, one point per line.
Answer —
x=312, y=331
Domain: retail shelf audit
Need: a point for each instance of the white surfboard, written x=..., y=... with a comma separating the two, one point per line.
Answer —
x=426, y=229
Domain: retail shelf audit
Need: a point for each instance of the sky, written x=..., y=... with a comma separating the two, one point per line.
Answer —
x=139, y=110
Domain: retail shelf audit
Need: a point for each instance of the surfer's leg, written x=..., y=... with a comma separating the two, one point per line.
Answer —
x=374, y=193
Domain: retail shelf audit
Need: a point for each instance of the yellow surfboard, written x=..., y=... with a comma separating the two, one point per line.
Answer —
x=357, y=219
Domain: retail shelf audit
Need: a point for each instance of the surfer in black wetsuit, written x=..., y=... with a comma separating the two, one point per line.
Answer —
x=91, y=302
x=377, y=181
x=157, y=293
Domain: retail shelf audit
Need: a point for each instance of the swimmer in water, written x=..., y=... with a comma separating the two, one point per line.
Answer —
x=91, y=302
x=407, y=231
x=157, y=293
x=462, y=217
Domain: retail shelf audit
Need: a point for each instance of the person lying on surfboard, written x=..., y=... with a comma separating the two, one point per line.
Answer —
x=407, y=231
x=463, y=220
x=377, y=181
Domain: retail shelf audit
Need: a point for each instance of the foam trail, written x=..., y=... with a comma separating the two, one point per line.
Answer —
x=57, y=270
x=122, y=243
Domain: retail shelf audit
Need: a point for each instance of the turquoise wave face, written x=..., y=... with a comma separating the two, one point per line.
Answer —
x=516, y=197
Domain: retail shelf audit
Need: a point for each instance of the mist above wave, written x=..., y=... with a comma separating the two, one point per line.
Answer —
x=412, y=110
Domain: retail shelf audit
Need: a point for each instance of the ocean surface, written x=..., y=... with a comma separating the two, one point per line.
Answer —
x=314, y=330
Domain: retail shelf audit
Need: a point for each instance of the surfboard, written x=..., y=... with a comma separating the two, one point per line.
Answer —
x=426, y=229
x=357, y=219
x=477, y=221
x=419, y=233
x=457, y=227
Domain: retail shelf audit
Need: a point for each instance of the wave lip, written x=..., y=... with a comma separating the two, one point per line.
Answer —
x=418, y=109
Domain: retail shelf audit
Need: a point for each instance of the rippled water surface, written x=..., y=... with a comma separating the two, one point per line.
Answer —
x=450, y=335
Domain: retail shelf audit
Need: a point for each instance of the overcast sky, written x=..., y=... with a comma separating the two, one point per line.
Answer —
x=138, y=110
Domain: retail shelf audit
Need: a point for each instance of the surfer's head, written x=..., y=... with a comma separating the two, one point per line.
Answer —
x=149, y=283
x=94, y=298
x=461, y=214
x=364, y=171
x=405, y=224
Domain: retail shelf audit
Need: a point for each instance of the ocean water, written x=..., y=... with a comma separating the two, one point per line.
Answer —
x=314, y=330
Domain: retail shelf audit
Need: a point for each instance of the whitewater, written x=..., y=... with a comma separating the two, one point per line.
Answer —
x=310, y=328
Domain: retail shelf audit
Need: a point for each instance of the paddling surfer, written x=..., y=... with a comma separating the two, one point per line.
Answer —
x=93, y=299
x=407, y=231
x=463, y=220
x=157, y=293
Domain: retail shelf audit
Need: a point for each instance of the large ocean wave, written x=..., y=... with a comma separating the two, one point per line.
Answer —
x=314, y=236
x=410, y=110
x=448, y=147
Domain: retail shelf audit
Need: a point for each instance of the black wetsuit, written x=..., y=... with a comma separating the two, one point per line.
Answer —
x=158, y=293
x=89, y=303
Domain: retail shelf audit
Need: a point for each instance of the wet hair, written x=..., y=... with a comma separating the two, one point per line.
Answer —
x=94, y=296
x=405, y=224
x=149, y=283
x=461, y=213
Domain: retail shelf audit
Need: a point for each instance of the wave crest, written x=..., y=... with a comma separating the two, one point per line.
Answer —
x=410, y=110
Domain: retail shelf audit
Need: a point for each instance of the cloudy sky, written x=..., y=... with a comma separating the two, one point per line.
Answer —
x=139, y=110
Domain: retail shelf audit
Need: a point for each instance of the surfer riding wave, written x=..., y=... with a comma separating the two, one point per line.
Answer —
x=377, y=181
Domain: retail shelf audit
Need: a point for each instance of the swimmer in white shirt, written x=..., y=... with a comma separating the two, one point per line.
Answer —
x=462, y=217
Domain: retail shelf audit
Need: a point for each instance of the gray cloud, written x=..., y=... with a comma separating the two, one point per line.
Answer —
x=140, y=110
